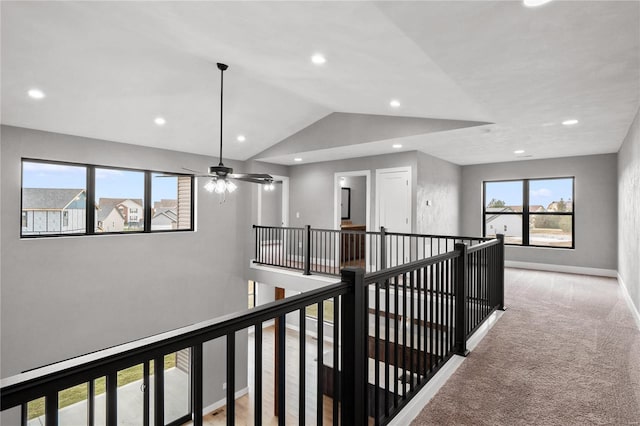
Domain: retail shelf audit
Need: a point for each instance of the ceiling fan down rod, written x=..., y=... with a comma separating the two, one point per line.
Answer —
x=222, y=68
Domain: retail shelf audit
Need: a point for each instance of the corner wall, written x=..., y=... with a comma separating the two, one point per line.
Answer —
x=629, y=211
x=67, y=296
x=595, y=199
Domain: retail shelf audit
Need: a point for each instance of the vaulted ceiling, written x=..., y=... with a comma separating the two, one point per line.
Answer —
x=507, y=74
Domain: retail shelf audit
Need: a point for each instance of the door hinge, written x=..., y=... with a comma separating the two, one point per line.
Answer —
x=406, y=220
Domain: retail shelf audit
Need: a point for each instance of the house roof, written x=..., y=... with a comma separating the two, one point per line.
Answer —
x=106, y=205
x=169, y=213
x=48, y=198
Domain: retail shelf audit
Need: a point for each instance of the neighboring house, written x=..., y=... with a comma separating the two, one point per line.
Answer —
x=119, y=214
x=557, y=206
x=53, y=211
x=164, y=218
x=508, y=224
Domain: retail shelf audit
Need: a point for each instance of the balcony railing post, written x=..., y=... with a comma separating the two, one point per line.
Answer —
x=383, y=248
x=461, y=301
x=501, y=272
x=307, y=250
x=354, y=349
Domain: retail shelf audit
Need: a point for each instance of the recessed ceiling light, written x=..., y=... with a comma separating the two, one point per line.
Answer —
x=241, y=138
x=535, y=3
x=519, y=151
x=570, y=122
x=394, y=103
x=35, y=93
x=318, y=59
x=160, y=121
x=396, y=145
x=298, y=159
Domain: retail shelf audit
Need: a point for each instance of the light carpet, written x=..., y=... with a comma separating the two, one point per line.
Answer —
x=566, y=352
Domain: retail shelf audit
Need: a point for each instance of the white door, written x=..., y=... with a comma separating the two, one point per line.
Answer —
x=394, y=200
x=394, y=211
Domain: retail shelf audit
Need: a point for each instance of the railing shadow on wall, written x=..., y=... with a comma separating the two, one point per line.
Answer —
x=393, y=330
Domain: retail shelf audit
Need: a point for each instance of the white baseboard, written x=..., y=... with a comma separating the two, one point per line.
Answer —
x=582, y=270
x=219, y=404
x=417, y=404
x=627, y=298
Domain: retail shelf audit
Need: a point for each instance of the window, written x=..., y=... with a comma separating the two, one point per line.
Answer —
x=531, y=212
x=119, y=193
x=171, y=202
x=55, y=197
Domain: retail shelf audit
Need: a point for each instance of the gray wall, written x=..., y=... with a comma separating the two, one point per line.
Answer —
x=595, y=198
x=629, y=211
x=439, y=182
x=358, y=185
x=272, y=207
x=312, y=186
x=63, y=297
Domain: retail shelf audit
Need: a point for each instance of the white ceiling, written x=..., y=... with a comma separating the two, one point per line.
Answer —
x=109, y=68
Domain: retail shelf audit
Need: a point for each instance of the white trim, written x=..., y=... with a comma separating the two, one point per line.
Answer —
x=219, y=404
x=337, y=197
x=627, y=297
x=293, y=272
x=582, y=270
x=417, y=404
x=410, y=201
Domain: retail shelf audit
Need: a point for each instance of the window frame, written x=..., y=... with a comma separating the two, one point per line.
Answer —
x=90, y=187
x=526, y=213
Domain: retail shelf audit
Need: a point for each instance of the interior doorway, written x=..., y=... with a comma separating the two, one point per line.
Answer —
x=352, y=199
x=393, y=196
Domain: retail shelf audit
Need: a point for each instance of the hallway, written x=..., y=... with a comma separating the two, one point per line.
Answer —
x=566, y=352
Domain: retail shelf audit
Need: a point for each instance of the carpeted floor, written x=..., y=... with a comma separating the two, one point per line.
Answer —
x=566, y=352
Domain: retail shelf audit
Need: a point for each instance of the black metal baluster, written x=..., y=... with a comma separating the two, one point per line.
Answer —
x=196, y=390
x=431, y=316
x=302, y=337
x=387, y=343
x=376, y=356
x=91, y=403
x=282, y=365
x=112, y=399
x=412, y=369
x=257, y=363
x=51, y=409
x=145, y=395
x=231, y=378
x=337, y=387
x=320, y=392
x=404, y=335
x=395, y=341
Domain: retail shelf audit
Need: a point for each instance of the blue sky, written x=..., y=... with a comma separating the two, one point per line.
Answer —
x=109, y=183
x=541, y=192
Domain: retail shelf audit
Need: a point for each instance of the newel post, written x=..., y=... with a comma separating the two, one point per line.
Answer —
x=307, y=250
x=354, y=379
x=461, y=301
x=501, y=272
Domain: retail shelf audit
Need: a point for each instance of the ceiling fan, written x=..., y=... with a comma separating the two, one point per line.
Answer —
x=221, y=175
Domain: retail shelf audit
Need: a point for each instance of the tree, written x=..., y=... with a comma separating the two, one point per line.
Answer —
x=496, y=203
x=562, y=206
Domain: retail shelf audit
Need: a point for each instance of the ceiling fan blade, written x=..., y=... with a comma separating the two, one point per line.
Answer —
x=251, y=175
x=192, y=171
x=249, y=179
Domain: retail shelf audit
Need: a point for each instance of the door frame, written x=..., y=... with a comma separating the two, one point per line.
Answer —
x=410, y=201
x=337, y=196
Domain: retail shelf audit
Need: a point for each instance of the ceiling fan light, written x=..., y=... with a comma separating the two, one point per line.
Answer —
x=210, y=185
x=231, y=186
x=221, y=186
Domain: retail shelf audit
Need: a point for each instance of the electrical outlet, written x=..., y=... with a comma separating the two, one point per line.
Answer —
x=224, y=386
